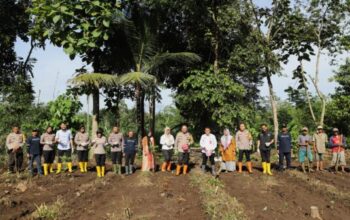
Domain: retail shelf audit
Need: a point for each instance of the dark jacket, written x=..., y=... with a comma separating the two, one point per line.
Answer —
x=34, y=146
x=284, y=142
x=130, y=145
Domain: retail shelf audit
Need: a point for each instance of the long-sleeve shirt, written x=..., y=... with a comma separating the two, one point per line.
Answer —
x=337, y=143
x=47, y=140
x=130, y=145
x=183, y=139
x=116, y=140
x=284, y=142
x=34, y=146
x=14, y=140
x=99, y=145
x=208, y=143
x=167, y=141
x=244, y=140
x=82, y=140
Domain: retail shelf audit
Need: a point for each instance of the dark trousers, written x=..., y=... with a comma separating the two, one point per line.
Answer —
x=265, y=155
x=167, y=154
x=100, y=159
x=49, y=156
x=205, y=159
x=117, y=157
x=15, y=160
x=184, y=158
x=37, y=159
x=246, y=153
x=129, y=159
x=283, y=155
x=66, y=155
x=83, y=155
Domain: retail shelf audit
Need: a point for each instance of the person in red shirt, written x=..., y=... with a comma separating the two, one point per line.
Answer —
x=338, y=143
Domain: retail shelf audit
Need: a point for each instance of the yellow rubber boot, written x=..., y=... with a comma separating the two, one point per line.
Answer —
x=185, y=169
x=59, y=168
x=81, y=166
x=70, y=167
x=164, y=167
x=98, y=170
x=269, y=169
x=103, y=171
x=46, y=169
x=51, y=167
x=264, y=166
x=85, y=166
x=178, y=170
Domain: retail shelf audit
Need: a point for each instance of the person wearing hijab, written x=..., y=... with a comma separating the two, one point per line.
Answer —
x=228, y=151
x=99, y=145
x=167, y=141
x=82, y=141
x=148, y=144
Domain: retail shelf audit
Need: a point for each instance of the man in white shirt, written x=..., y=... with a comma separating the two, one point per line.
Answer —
x=208, y=145
x=64, y=140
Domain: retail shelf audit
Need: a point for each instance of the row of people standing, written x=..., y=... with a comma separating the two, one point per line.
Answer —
x=63, y=138
x=120, y=146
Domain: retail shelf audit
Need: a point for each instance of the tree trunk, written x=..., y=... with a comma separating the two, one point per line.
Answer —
x=139, y=112
x=307, y=93
x=315, y=81
x=95, y=111
x=273, y=106
x=152, y=113
x=216, y=37
x=88, y=113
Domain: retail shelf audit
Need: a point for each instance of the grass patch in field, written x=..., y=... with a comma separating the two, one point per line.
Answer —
x=50, y=212
x=217, y=203
x=144, y=179
x=321, y=186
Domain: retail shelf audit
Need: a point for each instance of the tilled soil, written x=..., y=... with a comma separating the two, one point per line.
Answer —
x=281, y=197
x=139, y=196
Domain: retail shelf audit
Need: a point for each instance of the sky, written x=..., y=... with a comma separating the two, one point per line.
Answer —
x=54, y=68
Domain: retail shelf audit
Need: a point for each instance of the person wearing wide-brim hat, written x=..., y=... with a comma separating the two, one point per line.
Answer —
x=304, y=142
x=338, y=143
x=320, y=141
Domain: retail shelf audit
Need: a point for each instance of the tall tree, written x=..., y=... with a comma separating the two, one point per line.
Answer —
x=90, y=84
x=324, y=27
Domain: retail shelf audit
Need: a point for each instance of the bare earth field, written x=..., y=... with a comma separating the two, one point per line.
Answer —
x=286, y=195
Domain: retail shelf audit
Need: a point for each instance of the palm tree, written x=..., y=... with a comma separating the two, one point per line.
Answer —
x=91, y=83
x=147, y=62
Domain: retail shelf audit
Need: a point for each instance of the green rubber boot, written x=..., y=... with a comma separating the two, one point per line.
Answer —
x=115, y=168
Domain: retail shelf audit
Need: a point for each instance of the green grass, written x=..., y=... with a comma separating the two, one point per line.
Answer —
x=217, y=203
x=50, y=212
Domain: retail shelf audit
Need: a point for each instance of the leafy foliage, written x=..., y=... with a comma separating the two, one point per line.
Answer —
x=206, y=99
x=65, y=109
x=77, y=26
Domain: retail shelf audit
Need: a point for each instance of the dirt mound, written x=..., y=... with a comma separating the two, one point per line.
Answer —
x=281, y=197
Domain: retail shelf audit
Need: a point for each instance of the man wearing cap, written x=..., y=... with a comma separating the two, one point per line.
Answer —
x=14, y=143
x=338, y=143
x=284, y=147
x=320, y=141
x=304, y=142
x=34, y=151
